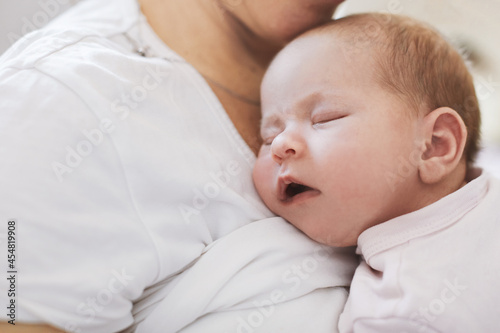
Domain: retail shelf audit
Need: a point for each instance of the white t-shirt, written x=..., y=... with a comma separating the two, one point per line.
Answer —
x=433, y=270
x=118, y=169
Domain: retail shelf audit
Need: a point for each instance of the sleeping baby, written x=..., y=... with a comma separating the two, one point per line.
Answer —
x=370, y=128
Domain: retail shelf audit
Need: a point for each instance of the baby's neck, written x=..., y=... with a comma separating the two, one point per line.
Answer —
x=452, y=183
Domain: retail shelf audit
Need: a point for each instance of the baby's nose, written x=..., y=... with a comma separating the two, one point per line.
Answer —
x=284, y=146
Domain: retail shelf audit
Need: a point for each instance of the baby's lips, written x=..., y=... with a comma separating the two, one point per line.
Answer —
x=284, y=182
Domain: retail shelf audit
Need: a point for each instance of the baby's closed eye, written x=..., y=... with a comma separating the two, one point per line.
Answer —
x=325, y=117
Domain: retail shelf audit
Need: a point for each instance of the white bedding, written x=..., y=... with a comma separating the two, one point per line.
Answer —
x=264, y=277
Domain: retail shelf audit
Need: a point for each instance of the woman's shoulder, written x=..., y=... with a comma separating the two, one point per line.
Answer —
x=86, y=27
x=107, y=17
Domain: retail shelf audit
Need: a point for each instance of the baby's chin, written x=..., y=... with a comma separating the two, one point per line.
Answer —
x=325, y=236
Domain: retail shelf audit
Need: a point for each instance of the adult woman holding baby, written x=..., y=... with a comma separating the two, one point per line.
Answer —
x=133, y=154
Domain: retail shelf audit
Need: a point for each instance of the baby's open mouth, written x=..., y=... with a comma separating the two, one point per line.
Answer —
x=289, y=190
x=293, y=189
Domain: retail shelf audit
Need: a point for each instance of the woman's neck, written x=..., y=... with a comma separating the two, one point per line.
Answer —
x=216, y=43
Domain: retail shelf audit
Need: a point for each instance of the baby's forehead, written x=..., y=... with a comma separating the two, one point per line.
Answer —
x=332, y=43
x=322, y=49
x=364, y=33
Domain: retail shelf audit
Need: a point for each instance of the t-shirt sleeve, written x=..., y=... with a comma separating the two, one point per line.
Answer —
x=82, y=252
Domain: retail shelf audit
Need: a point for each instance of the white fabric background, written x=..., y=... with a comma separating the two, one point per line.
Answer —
x=18, y=16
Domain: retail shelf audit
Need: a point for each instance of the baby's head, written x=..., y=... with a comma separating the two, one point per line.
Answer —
x=365, y=119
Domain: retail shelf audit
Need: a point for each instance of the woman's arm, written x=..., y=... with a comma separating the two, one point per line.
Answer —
x=21, y=328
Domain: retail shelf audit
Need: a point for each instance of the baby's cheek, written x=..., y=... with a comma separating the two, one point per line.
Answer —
x=259, y=170
x=264, y=178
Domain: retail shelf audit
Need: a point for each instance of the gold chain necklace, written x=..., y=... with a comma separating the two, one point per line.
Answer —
x=232, y=93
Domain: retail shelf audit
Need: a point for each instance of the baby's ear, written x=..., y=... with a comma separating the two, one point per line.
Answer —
x=444, y=135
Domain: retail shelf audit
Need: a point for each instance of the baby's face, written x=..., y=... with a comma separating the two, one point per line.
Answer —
x=336, y=144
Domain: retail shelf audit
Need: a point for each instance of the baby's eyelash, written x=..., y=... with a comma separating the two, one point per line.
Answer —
x=327, y=119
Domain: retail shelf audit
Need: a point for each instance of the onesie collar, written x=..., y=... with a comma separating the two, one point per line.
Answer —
x=435, y=217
